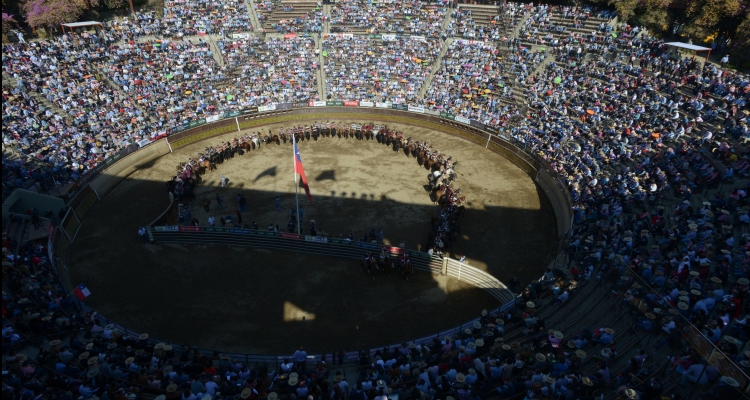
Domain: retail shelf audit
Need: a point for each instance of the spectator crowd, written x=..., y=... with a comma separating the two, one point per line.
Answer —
x=651, y=146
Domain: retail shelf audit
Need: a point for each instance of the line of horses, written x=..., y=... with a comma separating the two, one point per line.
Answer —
x=384, y=263
x=440, y=179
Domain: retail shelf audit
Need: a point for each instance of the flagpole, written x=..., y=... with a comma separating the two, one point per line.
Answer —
x=296, y=185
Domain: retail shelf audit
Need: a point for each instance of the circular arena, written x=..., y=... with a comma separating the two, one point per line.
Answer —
x=500, y=205
x=357, y=186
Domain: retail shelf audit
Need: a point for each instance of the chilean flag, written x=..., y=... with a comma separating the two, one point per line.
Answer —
x=81, y=292
x=301, y=171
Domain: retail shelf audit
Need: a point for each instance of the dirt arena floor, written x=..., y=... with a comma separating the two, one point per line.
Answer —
x=254, y=301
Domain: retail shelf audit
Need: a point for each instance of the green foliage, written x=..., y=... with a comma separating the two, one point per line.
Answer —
x=710, y=16
x=740, y=55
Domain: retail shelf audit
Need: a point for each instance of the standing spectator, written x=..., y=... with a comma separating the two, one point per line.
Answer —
x=143, y=234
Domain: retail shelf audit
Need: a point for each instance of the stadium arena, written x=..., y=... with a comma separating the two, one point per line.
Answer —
x=498, y=201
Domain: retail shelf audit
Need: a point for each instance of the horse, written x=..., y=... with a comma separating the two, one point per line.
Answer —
x=283, y=137
x=275, y=139
x=407, y=269
x=387, y=266
x=366, y=264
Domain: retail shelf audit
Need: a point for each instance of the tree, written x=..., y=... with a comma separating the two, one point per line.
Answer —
x=51, y=13
x=741, y=51
x=653, y=14
x=710, y=16
x=8, y=23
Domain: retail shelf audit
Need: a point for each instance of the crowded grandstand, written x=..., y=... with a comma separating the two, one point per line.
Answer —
x=648, y=297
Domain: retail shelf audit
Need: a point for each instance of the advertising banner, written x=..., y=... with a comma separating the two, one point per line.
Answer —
x=340, y=241
x=250, y=110
x=213, y=118
x=418, y=254
x=388, y=37
x=240, y=36
x=368, y=246
x=284, y=106
x=419, y=38
x=336, y=103
x=366, y=104
x=419, y=109
x=171, y=228
x=214, y=229
x=403, y=107
x=318, y=239
x=432, y=112
x=239, y=230
x=375, y=36
x=317, y=104
x=290, y=35
x=392, y=249
x=267, y=233
x=463, y=120
x=190, y=228
x=270, y=107
x=383, y=105
x=143, y=142
x=291, y=236
x=445, y=115
x=351, y=103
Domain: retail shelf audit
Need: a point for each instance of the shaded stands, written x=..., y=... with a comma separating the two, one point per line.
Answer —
x=291, y=17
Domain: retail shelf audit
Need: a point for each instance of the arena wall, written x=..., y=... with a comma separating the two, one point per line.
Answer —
x=116, y=172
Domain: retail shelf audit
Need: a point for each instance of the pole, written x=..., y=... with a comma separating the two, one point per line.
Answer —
x=296, y=186
x=132, y=11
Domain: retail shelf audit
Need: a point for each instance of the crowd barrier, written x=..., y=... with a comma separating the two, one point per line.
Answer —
x=323, y=246
x=102, y=180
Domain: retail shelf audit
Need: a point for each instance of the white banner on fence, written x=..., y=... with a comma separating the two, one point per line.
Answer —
x=419, y=38
x=419, y=109
x=463, y=41
x=319, y=239
x=431, y=112
x=143, y=142
x=240, y=36
x=366, y=104
x=387, y=104
x=271, y=107
x=463, y=120
x=388, y=37
x=212, y=118
x=318, y=103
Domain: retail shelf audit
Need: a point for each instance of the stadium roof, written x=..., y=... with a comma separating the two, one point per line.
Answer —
x=688, y=46
x=80, y=24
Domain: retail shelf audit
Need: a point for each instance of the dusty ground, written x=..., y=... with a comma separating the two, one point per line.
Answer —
x=246, y=300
